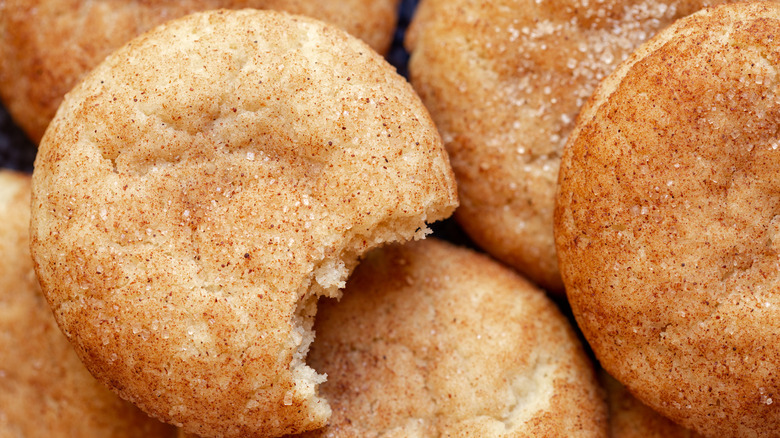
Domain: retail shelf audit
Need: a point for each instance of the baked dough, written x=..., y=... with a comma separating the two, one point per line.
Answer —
x=47, y=46
x=45, y=391
x=667, y=223
x=504, y=81
x=199, y=190
x=432, y=340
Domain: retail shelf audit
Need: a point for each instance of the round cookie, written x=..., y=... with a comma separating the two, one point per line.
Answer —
x=47, y=46
x=504, y=81
x=198, y=191
x=667, y=222
x=431, y=340
x=45, y=391
x=629, y=418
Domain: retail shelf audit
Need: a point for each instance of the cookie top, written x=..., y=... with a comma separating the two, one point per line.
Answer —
x=47, y=46
x=504, y=81
x=202, y=186
x=45, y=390
x=433, y=340
x=667, y=224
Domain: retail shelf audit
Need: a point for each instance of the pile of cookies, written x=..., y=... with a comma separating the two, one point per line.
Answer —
x=225, y=231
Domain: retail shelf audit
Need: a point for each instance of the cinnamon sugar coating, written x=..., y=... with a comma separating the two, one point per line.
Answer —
x=45, y=391
x=432, y=340
x=667, y=221
x=200, y=189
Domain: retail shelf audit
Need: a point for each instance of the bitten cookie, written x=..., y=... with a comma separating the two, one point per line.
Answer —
x=45, y=391
x=203, y=186
x=47, y=46
x=667, y=223
x=431, y=340
x=504, y=81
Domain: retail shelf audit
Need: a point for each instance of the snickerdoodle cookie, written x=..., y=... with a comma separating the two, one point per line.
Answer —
x=431, y=340
x=46, y=46
x=504, y=81
x=45, y=391
x=201, y=188
x=668, y=222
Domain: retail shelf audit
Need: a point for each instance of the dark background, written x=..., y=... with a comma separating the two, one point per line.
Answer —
x=16, y=151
